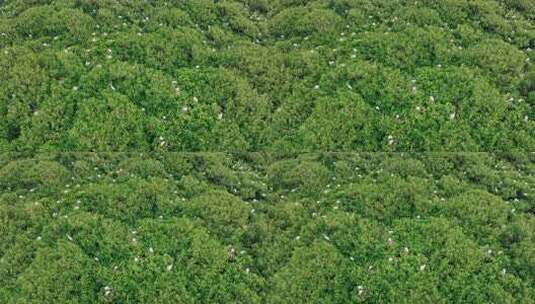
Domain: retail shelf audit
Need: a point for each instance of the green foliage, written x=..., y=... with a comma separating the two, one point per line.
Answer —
x=92, y=130
x=304, y=21
x=295, y=76
x=267, y=151
x=30, y=174
x=305, y=176
x=260, y=227
x=44, y=280
x=310, y=277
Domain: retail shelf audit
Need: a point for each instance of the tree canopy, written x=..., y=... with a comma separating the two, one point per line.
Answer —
x=256, y=75
x=267, y=151
x=267, y=228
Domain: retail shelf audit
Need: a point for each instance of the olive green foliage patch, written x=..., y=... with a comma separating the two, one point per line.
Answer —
x=267, y=228
x=267, y=151
x=294, y=76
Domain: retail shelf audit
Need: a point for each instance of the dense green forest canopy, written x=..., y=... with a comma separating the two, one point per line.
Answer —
x=259, y=75
x=265, y=228
x=267, y=151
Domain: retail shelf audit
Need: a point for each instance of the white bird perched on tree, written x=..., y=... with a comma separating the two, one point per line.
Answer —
x=232, y=253
x=390, y=139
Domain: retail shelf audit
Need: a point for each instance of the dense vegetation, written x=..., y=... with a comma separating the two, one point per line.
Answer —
x=259, y=75
x=264, y=228
x=267, y=151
